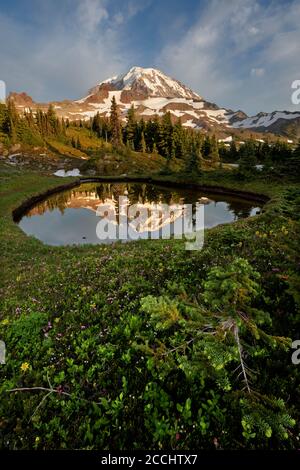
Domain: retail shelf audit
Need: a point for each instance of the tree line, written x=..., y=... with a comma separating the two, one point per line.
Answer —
x=30, y=128
x=155, y=136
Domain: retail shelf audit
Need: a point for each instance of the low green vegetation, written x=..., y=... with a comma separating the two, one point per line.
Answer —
x=146, y=345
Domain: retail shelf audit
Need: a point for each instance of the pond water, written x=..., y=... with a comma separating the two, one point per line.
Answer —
x=70, y=217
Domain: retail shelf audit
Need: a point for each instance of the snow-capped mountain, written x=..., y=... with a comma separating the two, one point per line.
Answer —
x=150, y=82
x=153, y=93
x=272, y=122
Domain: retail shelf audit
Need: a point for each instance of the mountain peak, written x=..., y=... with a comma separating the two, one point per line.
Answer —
x=150, y=82
x=153, y=93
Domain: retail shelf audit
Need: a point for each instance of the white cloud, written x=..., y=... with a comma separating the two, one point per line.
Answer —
x=229, y=39
x=91, y=13
x=71, y=54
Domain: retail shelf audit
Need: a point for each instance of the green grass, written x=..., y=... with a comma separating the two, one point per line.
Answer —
x=81, y=319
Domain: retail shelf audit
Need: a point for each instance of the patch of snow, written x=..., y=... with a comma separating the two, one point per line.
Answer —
x=64, y=174
x=148, y=112
x=198, y=104
x=83, y=99
x=216, y=115
x=189, y=123
x=266, y=119
x=227, y=139
x=154, y=80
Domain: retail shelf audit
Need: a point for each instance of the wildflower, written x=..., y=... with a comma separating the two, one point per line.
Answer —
x=5, y=321
x=60, y=389
x=37, y=439
x=24, y=366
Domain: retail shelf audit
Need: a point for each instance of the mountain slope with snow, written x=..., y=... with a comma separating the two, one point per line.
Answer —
x=153, y=93
x=151, y=82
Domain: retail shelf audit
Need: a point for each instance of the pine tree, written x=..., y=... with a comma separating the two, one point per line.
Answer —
x=166, y=134
x=13, y=120
x=206, y=147
x=193, y=161
x=214, y=152
x=52, y=123
x=233, y=153
x=177, y=140
x=247, y=159
x=292, y=164
x=115, y=124
x=143, y=143
x=4, y=119
x=130, y=130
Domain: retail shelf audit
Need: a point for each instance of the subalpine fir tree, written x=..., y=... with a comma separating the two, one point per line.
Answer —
x=206, y=147
x=152, y=130
x=177, y=140
x=13, y=120
x=264, y=153
x=214, y=151
x=4, y=119
x=130, y=130
x=233, y=153
x=193, y=161
x=115, y=124
x=52, y=122
x=223, y=335
x=292, y=164
x=166, y=133
x=247, y=159
x=143, y=143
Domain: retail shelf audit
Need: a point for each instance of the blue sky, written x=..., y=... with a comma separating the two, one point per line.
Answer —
x=241, y=54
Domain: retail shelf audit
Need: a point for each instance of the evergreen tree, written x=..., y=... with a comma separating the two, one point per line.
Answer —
x=152, y=133
x=130, y=130
x=115, y=124
x=292, y=164
x=233, y=153
x=143, y=143
x=52, y=122
x=214, y=151
x=13, y=120
x=206, y=147
x=4, y=119
x=193, y=161
x=166, y=135
x=247, y=159
x=177, y=140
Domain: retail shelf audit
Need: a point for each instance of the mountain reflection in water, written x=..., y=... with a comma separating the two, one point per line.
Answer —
x=69, y=217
